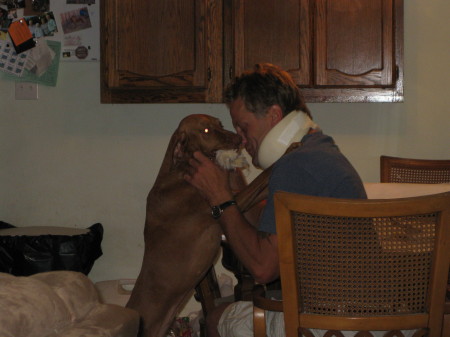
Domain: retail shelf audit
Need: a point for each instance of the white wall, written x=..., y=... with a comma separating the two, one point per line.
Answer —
x=67, y=160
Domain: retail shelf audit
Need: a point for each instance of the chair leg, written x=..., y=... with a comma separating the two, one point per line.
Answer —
x=207, y=291
x=202, y=324
x=446, y=326
x=259, y=322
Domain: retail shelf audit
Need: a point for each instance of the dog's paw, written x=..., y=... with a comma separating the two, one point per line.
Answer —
x=230, y=159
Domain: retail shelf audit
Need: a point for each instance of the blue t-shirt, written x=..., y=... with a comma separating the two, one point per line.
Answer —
x=316, y=168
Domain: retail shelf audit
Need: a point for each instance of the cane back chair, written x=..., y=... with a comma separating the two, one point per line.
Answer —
x=405, y=170
x=423, y=171
x=363, y=265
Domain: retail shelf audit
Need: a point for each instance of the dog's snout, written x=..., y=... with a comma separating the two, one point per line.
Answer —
x=237, y=138
x=233, y=139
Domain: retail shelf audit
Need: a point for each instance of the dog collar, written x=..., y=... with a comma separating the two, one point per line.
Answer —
x=216, y=211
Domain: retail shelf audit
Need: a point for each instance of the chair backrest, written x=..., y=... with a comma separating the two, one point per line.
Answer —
x=364, y=265
x=405, y=170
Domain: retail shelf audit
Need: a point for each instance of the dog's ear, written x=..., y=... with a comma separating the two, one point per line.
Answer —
x=173, y=149
x=180, y=152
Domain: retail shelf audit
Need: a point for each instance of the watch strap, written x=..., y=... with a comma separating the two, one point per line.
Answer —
x=217, y=211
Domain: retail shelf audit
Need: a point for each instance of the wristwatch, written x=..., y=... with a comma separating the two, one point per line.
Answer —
x=216, y=211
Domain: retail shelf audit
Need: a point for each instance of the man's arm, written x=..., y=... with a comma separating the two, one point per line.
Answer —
x=258, y=252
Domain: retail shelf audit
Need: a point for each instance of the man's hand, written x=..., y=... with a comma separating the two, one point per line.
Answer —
x=209, y=179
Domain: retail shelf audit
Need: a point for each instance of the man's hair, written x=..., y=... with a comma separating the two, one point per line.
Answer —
x=265, y=86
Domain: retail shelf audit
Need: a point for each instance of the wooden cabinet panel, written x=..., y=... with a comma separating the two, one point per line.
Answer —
x=358, y=51
x=336, y=50
x=188, y=50
x=354, y=43
x=161, y=50
x=278, y=32
x=168, y=38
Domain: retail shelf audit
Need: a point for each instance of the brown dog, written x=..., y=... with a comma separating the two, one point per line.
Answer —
x=181, y=237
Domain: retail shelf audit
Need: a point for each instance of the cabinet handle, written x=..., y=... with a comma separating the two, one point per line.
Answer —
x=230, y=73
x=209, y=74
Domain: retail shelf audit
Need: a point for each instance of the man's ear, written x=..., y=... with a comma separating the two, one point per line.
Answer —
x=275, y=113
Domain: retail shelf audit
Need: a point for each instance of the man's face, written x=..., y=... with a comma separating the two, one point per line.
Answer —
x=250, y=127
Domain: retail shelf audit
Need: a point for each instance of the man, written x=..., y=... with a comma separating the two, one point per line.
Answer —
x=258, y=101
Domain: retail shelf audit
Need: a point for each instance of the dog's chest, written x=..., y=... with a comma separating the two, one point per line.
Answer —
x=176, y=201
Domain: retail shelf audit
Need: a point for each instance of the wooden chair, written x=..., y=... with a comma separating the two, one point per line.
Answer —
x=207, y=292
x=362, y=265
x=405, y=170
x=424, y=171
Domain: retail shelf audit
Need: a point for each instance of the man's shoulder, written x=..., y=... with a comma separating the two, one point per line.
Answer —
x=312, y=146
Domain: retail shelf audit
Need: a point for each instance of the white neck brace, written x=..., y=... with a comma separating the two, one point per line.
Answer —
x=290, y=129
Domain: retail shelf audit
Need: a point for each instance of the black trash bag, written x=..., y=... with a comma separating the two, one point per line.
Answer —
x=27, y=255
x=6, y=260
x=4, y=225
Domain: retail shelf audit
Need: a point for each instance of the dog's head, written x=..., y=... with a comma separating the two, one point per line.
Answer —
x=203, y=133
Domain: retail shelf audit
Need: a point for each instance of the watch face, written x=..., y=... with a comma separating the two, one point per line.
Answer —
x=216, y=211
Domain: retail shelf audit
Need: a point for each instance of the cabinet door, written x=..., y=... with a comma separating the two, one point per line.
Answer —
x=336, y=50
x=161, y=51
x=354, y=43
x=275, y=31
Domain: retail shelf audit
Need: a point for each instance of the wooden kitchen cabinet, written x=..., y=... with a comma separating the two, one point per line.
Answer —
x=272, y=31
x=161, y=51
x=358, y=50
x=187, y=51
x=336, y=50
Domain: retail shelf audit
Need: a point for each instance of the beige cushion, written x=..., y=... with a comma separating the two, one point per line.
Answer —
x=104, y=322
x=30, y=308
x=60, y=304
x=65, y=285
